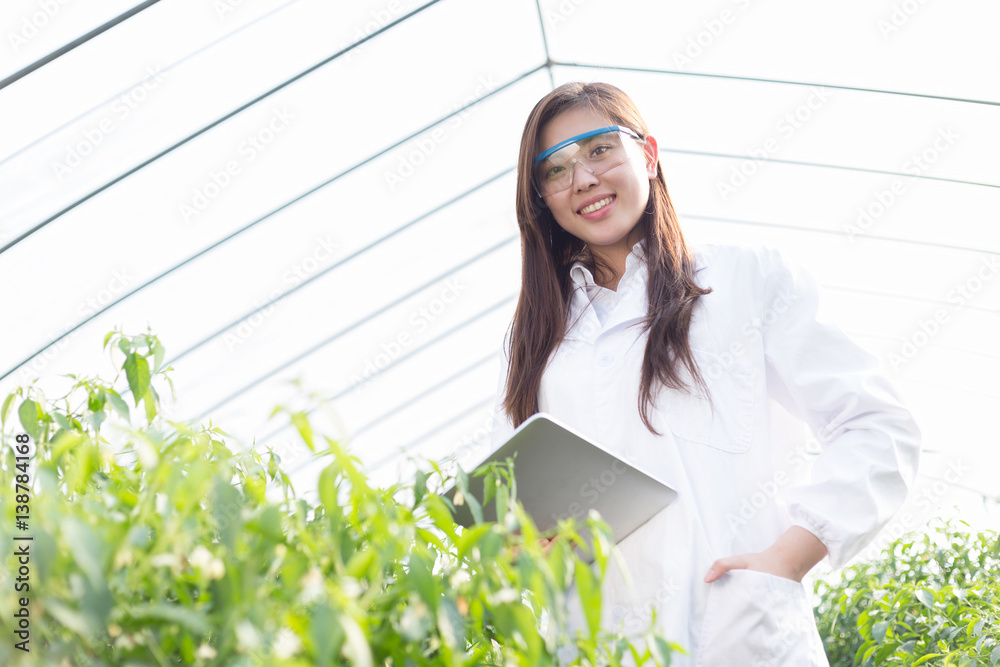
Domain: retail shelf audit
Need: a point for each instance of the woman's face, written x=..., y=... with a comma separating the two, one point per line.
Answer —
x=626, y=186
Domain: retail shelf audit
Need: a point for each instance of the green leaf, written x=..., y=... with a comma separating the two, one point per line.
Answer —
x=69, y=618
x=360, y=562
x=61, y=420
x=97, y=418
x=95, y=402
x=885, y=651
x=925, y=597
x=880, y=630
x=663, y=651
x=451, y=625
x=8, y=402
x=107, y=337
x=419, y=488
x=158, y=352
x=490, y=484
x=328, y=489
x=269, y=523
x=474, y=507
x=301, y=423
x=470, y=537
x=590, y=596
x=30, y=414
x=861, y=651
x=356, y=650
x=119, y=405
x=421, y=579
x=137, y=373
x=503, y=502
x=184, y=616
x=926, y=658
x=440, y=515
x=149, y=403
x=995, y=657
x=86, y=548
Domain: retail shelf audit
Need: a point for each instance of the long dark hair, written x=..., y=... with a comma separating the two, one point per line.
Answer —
x=548, y=252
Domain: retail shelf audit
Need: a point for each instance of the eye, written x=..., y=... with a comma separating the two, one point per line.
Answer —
x=553, y=172
x=600, y=150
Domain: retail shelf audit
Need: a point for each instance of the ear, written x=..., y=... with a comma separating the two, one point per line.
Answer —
x=652, y=153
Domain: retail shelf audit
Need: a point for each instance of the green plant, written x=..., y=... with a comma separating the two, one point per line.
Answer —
x=933, y=599
x=154, y=543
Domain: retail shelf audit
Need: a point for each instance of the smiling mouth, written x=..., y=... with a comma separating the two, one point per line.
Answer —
x=597, y=205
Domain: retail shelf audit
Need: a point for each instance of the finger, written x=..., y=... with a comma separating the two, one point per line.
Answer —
x=723, y=565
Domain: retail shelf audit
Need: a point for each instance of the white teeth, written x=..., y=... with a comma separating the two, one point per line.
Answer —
x=596, y=205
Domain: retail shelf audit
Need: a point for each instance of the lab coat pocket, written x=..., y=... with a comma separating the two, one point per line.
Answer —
x=755, y=619
x=730, y=426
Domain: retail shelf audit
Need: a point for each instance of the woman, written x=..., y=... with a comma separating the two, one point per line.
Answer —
x=667, y=356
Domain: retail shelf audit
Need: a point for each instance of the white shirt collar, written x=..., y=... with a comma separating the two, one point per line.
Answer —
x=582, y=276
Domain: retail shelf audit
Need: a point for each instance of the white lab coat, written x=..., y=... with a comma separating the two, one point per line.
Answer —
x=755, y=337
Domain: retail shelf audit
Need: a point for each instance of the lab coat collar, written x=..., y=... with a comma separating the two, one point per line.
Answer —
x=582, y=277
x=633, y=300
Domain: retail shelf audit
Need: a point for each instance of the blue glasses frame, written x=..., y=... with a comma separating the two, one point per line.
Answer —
x=585, y=135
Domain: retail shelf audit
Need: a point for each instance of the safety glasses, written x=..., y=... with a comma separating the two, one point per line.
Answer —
x=597, y=151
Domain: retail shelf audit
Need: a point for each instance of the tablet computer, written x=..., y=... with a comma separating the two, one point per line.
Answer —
x=560, y=473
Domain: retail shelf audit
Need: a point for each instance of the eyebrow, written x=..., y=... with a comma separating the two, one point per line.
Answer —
x=579, y=142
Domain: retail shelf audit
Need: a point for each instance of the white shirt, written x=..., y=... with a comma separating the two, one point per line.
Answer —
x=604, y=300
x=756, y=337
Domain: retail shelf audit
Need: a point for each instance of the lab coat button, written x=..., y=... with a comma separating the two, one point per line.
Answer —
x=606, y=359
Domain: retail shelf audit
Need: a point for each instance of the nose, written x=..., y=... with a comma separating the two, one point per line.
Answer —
x=582, y=176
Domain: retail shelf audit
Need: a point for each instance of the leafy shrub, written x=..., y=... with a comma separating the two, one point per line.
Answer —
x=932, y=599
x=157, y=544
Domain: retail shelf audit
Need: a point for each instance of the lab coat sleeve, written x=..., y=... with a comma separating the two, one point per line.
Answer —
x=502, y=426
x=870, y=442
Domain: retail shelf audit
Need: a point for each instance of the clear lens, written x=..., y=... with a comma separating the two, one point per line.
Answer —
x=597, y=154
